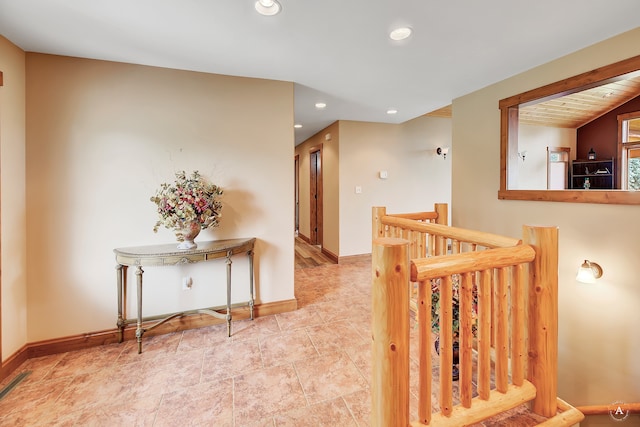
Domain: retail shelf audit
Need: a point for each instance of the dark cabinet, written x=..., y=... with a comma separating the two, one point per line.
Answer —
x=597, y=174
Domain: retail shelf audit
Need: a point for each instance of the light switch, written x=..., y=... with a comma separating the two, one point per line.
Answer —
x=383, y=174
x=358, y=189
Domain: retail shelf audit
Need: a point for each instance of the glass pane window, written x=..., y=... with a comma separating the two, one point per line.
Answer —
x=631, y=130
x=633, y=174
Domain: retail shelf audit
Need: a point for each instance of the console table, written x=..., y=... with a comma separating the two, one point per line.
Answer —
x=168, y=255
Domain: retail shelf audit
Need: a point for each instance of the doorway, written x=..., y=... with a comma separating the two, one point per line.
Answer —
x=315, y=191
x=558, y=167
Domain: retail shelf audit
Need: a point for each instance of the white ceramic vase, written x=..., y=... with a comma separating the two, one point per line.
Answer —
x=187, y=234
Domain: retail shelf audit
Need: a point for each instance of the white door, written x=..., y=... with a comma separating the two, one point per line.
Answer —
x=557, y=168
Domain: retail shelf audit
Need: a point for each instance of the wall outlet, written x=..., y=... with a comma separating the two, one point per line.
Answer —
x=187, y=283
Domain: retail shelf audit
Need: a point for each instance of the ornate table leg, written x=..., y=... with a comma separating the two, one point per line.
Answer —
x=120, y=322
x=250, y=254
x=139, y=330
x=229, y=253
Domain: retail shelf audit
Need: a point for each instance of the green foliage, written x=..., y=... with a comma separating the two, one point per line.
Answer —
x=455, y=297
x=634, y=174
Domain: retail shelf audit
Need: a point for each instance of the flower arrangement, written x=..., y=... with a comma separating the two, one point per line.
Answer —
x=435, y=306
x=188, y=199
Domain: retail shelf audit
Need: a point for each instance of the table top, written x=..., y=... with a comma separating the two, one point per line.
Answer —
x=169, y=254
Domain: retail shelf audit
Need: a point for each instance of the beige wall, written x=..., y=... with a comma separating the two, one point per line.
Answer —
x=13, y=203
x=101, y=137
x=417, y=177
x=532, y=171
x=330, y=180
x=356, y=154
x=599, y=341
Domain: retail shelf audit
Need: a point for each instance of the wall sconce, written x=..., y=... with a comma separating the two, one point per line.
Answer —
x=522, y=154
x=442, y=151
x=589, y=272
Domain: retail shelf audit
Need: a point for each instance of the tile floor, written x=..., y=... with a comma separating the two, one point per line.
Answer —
x=310, y=367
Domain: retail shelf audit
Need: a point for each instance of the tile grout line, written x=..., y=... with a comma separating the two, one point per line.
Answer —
x=353, y=416
x=295, y=369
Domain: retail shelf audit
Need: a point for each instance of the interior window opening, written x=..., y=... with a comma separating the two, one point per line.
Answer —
x=559, y=142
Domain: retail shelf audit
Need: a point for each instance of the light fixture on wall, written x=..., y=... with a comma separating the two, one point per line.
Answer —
x=442, y=151
x=589, y=272
x=268, y=7
x=522, y=154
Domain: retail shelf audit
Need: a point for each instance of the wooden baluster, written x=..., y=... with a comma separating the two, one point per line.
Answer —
x=415, y=244
x=422, y=245
x=455, y=246
x=466, y=339
x=432, y=245
x=501, y=326
x=484, y=334
x=496, y=277
x=411, y=236
x=424, y=349
x=390, y=333
x=517, y=328
x=441, y=245
x=446, y=346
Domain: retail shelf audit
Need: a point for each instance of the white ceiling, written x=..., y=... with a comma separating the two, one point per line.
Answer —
x=335, y=51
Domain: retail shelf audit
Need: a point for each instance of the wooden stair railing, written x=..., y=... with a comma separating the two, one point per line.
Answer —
x=483, y=264
x=517, y=290
x=429, y=235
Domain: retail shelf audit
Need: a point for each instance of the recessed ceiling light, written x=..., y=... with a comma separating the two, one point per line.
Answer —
x=321, y=105
x=297, y=126
x=392, y=111
x=400, y=33
x=268, y=7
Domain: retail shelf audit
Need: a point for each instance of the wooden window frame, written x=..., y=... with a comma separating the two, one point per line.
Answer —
x=509, y=108
x=623, y=147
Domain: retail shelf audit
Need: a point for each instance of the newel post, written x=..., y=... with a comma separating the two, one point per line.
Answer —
x=543, y=318
x=390, y=333
x=442, y=209
x=376, y=220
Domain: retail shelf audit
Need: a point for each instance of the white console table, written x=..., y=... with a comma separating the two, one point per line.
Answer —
x=168, y=255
